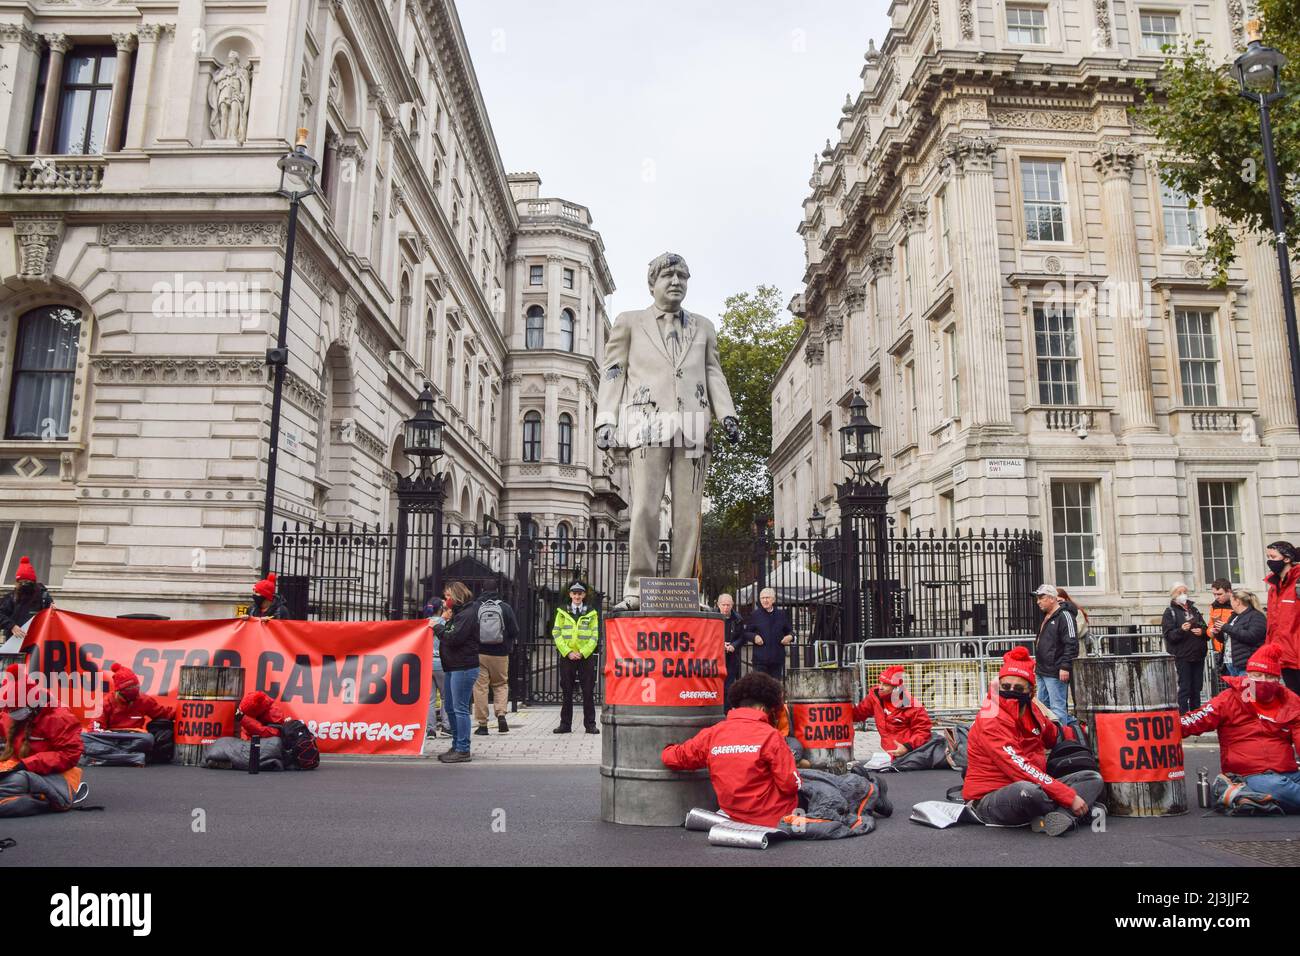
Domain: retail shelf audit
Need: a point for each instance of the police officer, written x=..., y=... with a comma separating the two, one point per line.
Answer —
x=576, y=631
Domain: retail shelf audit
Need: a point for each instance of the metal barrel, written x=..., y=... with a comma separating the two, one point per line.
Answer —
x=635, y=787
x=821, y=715
x=207, y=699
x=1130, y=707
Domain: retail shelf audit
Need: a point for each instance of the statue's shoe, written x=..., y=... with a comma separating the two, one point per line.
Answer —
x=629, y=603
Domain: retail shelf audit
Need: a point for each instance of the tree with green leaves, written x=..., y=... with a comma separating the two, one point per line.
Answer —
x=1212, y=137
x=754, y=337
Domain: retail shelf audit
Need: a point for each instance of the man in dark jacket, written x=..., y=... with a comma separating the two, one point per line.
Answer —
x=458, y=650
x=1186, y=639
x=20, y=605
x=769, y=628
x=498, y=628
x=1054, y=654
x=733, y=637
x=267, y=604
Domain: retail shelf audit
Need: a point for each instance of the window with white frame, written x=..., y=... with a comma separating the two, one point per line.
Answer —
x=952, y=361
x=1042, y=185
x=1074, y=532
x=1198, y=357
x=1056, y=347
x=1220, y=529
x=1182, y=217
x=84, y=97
x=535, y=328
x=566, y=439
x=568, y=324
x=945, y=225
x=1159, y=30
x=1026, y=24
x=568, y=278
x=533, y=436
x=48, y=546
x=535, y=275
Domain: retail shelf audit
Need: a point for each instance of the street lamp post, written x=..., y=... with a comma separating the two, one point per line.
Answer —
x=1259, y=71
x=297, y=182
x=863, y=504
x=420, y=492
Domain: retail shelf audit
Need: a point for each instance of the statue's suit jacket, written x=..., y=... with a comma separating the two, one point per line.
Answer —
x=646, y=397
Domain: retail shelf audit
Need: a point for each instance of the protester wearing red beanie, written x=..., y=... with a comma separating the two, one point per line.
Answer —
x=128, y=709
x=1007, y=783
x=1258, y=721
x=903, y=724
x=28, y=598
x=40, y=745
x=267, y=603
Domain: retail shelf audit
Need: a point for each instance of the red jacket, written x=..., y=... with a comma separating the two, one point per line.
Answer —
x=259, y=710
x=750, y=766
x=1284, y=616
x=1253, y=738
x=909, y=725
x=1005, y=747
x=49, y=743
x=122, y=714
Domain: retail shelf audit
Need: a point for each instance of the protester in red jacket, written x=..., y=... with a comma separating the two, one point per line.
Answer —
x=40, y=750
x=257, y=712
x=1007, y=783
x=128, y=709
x=1283, y=579
x=1258, y=720
x=902, y=723
x=750, y=766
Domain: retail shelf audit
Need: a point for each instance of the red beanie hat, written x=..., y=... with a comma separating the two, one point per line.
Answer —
x=1017, y=663
x=266, y=587
x=25, y=570
x=892, y=676
x=255, y=704
x=125, y=682
x=19, y=689
x=1266, y=660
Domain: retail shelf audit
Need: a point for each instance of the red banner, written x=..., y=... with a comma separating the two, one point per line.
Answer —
x=360, y=686
x=1139, y=747
x=203, y=721
x=664, y=662
x=823, y=726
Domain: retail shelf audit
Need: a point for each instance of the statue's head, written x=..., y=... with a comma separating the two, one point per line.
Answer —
x=232, y=58
x=667, y=277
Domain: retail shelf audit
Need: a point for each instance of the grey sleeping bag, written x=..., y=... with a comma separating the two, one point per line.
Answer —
x=231, y=753
x=115, y=748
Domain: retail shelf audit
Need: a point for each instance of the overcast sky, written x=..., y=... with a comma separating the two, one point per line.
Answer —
x=684, y=125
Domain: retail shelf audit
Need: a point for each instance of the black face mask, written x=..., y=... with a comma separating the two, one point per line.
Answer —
x=1276, y=566
x=1020, y=696
x=26, y=587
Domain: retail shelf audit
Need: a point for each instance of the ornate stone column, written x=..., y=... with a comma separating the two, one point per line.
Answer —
x=1268, y=336
x=913, y=216
x=978, y=283
x=20, y=58
x=554, y=265
x=1124, y=305
x=125, y=43
x=551, y=419
x=814, y=353
x=59, y=45
x=147, y=43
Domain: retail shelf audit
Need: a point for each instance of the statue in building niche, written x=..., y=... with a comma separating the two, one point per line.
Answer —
x=661, y=387
x=228, y=99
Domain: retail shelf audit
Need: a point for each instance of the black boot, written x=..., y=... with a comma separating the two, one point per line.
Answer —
x=502, y=726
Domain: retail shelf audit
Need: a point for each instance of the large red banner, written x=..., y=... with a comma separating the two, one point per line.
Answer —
x=360, y=686
x=1139, y=747
x=664, y=661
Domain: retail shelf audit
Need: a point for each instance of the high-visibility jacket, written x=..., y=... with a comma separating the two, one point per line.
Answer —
x=575, y=634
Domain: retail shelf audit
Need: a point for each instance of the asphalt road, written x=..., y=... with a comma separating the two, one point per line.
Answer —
x=420, y=812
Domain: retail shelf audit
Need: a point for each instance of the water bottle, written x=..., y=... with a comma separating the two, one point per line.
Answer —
x=254, y=754
x=1203, y=788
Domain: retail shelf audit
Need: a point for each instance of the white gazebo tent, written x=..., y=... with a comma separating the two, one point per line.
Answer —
x=795, y=583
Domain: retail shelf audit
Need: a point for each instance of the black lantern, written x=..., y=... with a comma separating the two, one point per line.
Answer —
x=816, y=523
x=422, y=434
x=1259, y=69
x=298, y=170
x=859, y=439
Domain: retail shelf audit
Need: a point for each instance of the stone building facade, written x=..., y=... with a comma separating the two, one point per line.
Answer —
x=141, y=259
x=995, y=263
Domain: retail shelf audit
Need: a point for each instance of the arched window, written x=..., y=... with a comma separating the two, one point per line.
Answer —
x=567, y=325
x=533, y=436
x=562, y=535
x=404, y=308
x=535, y=333
x=566, y=439
x=40, y=403
x=464, y=392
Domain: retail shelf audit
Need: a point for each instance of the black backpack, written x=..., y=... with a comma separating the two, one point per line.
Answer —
x=299, y=745
x=164, y=740
x=1070, y=755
